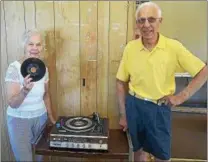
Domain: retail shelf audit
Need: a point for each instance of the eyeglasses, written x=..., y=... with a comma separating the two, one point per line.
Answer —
x=149, y=19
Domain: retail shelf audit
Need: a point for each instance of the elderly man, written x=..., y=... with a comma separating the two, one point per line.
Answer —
x=147, y=70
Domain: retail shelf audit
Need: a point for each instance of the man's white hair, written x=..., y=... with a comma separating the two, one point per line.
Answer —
x=27, y=34
x=148, y=4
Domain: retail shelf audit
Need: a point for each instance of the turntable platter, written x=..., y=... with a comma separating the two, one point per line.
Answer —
x=79, y=124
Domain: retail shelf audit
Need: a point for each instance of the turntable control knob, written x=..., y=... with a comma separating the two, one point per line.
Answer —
x=83, y=146
x=100, y=141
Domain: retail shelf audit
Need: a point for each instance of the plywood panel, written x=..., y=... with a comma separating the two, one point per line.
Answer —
x=102, y=57
x=45, y=22
x=30, y=15
x=6, y=153
x=88, y=46
x=131, y=20
x=67, y=57
x=15, y=27
x=117, y=42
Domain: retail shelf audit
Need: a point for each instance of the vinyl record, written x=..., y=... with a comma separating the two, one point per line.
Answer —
x=35, y=67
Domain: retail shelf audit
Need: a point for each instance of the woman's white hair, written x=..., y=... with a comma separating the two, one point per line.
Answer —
x=148, y=4
x=27, y=35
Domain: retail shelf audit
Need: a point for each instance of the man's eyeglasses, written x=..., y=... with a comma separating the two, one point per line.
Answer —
x=149, y=19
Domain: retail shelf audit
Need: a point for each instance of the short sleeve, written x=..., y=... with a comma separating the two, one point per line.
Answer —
x=12, y=74
x=46, y=76
x=188, y=61
x=123, y=73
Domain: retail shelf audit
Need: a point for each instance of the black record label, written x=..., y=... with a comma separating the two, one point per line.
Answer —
x=35, y=67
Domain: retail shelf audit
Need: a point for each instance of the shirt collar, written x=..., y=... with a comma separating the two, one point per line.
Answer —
x=160, y=44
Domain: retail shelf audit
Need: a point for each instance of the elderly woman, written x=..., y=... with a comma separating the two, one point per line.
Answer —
x=28, y=102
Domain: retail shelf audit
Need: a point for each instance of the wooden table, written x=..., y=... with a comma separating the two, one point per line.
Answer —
x=118, y=147
x=189, y=132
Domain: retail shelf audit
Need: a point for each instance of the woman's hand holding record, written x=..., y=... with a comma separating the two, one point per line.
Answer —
x=27, y=85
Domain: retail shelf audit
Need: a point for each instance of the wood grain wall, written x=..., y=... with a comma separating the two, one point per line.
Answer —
x=84, y=41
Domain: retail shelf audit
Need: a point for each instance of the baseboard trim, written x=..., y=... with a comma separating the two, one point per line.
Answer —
x=195, y=160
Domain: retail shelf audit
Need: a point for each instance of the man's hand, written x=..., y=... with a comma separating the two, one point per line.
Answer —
x=172, y=100
x=123, y=123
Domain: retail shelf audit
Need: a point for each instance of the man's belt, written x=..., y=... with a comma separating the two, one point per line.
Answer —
x=158, y=102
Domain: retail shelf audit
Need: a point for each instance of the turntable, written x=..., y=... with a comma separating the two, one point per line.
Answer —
x=80, y=132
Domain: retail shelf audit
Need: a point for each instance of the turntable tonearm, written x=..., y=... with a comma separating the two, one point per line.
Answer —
x=80, y=132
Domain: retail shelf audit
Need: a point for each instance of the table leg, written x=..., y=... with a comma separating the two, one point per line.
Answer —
x=131, y=153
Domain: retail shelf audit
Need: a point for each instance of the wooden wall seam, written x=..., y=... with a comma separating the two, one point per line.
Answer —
x=5, y=33
x=109, y=58
x=55, y=51
x=24, y=13
x=80, y=108
x=96, y=87
x=35, y=10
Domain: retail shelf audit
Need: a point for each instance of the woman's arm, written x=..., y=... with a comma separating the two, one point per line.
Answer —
x=15, y=94
x=47, y=101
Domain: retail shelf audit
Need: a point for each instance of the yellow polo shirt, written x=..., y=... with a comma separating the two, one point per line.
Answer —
x=152, y=74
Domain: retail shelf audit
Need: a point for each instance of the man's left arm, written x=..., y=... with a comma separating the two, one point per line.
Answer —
x=196, y=68
x=194, y=85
